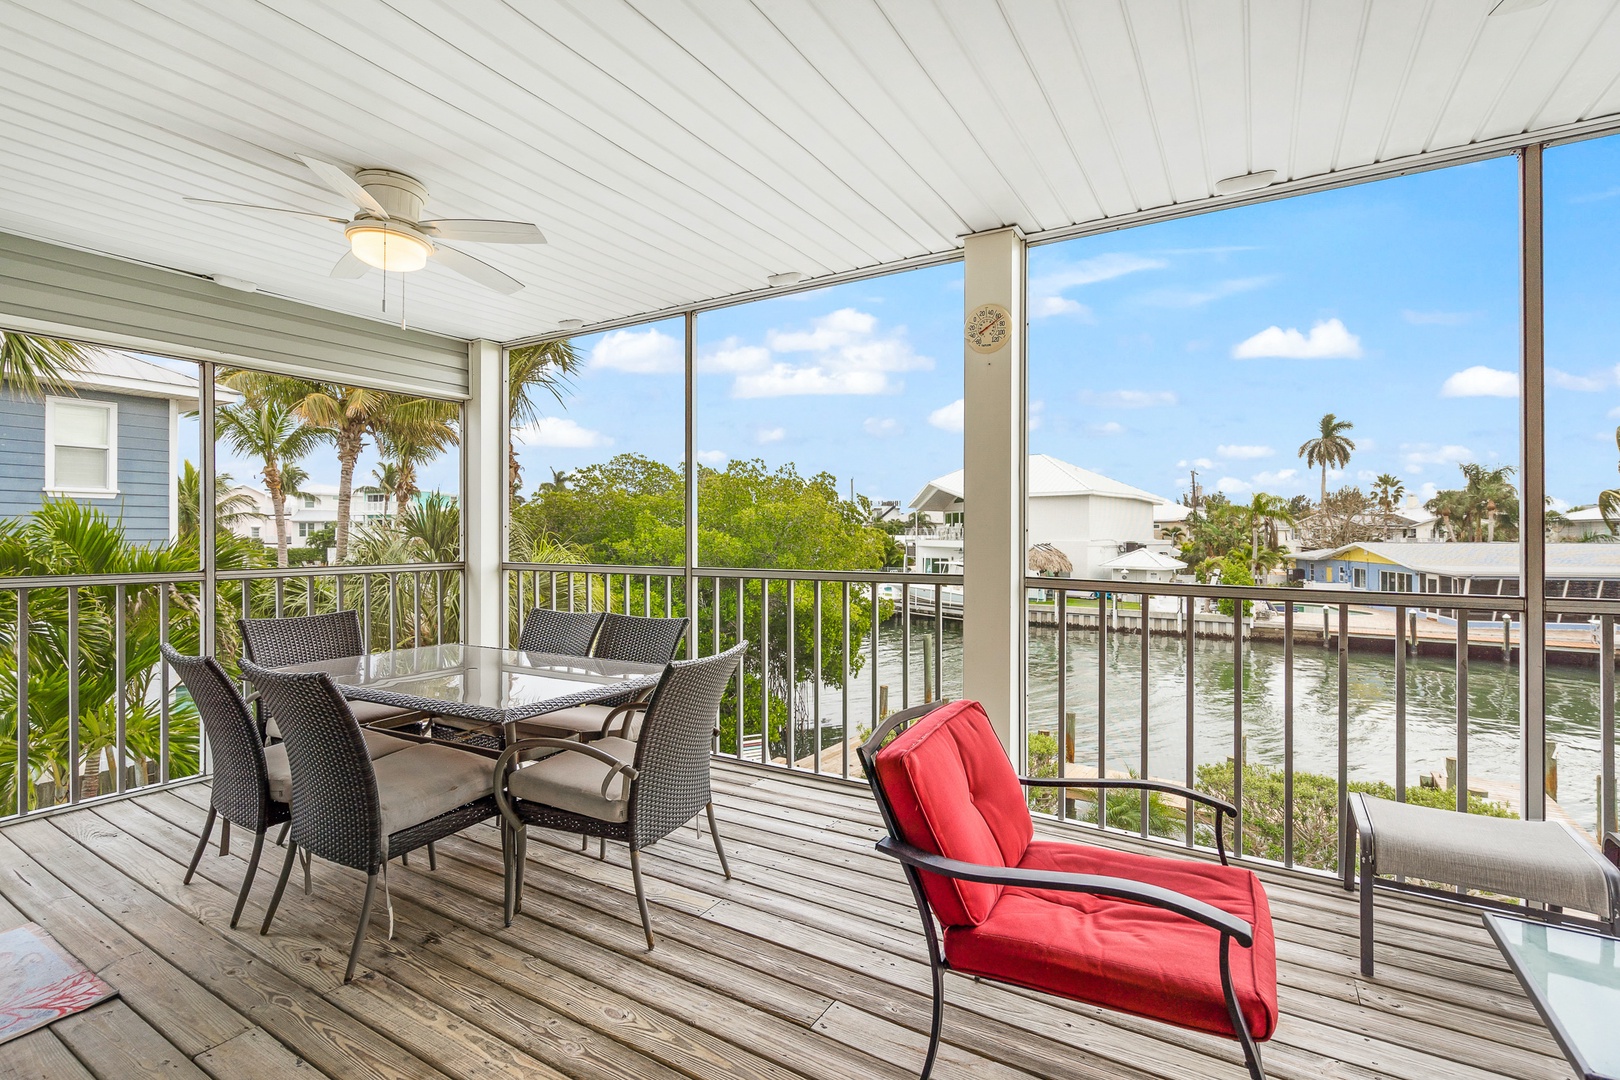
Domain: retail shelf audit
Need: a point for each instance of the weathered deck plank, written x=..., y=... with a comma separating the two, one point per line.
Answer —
x=806, y=966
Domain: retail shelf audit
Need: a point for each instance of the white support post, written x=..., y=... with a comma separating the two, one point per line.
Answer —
x=994, y=459
x=483, y=594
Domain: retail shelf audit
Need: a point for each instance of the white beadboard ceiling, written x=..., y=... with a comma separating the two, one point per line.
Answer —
x=675, y=151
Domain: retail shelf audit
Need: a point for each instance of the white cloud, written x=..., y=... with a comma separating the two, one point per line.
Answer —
x=731, y=357
x=770, y=435
x=1037, y=409
x=1481, y=381
x=1044, y=307
x=1614, y=413
x=1419, y=455
x=1560, y=505
x=641, y=352
x=1046, y=289
x=1244, y=453
x=949, y=417
x=1437, y=318
x=1280, y=478
x=1185, y=298
x=1128, y=399
x=882, y=427
x=1428, y=491
x=1196, y=463
x=1112, y=427
x=1231, y=485
x=713, y=457
x=1327, y=341
x=560, y=432
x=847, y=356
x=1585, y=383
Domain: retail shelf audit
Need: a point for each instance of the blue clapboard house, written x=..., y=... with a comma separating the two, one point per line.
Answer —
x=113, y=443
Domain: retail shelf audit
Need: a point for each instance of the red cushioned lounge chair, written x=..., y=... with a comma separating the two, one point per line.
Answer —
x=1138, y=933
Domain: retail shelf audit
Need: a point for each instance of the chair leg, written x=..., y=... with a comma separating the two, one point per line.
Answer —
x=601, y=848
x=1369, y=874
x=509, y=846
x=360, y=931
x=584, y=843
x=521, y=860
x=225, y=837
x=286, y=827
x=281, y=887
x=641, y=896
x=405, y=859
x=714, y=831
x=202, y=843
x=938, y=1019
x=433, y=857
x=247, y=880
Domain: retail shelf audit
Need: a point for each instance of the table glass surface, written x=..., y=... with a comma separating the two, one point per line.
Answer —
x=506, y=683
x=1574, y=977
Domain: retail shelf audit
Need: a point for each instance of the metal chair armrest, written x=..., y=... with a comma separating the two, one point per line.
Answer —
x=515, y=750
x=1117, y=888
x=621, y=710
x=1222, y=808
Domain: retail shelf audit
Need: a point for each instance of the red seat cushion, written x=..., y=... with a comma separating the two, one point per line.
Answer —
x=1126, y=955
x=954, y=793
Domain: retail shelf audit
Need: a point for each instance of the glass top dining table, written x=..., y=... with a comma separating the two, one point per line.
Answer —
x=473, y=693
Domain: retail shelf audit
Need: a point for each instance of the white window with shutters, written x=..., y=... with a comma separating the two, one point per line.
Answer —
x=81, y=447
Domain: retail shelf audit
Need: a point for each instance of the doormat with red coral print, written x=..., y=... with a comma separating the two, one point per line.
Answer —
x=40, y=982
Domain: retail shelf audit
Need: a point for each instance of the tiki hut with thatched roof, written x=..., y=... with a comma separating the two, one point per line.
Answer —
x=1048, y=561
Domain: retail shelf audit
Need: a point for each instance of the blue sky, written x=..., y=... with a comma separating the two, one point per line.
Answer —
x=1214, y=342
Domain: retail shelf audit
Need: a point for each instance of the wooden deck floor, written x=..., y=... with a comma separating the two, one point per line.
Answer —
x=808, y=964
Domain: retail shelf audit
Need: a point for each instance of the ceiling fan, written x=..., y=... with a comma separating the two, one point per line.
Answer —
x=388, y=232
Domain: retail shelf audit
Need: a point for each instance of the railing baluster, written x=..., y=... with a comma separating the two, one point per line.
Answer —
x=1066, y=734
x=365, y=609
x=1288, y=733
x=1462, y=711
x=416, y=601
x=875, y=622
x=438, y=606
x=24, y=779
x=1344, y=709
x=792, y=686
x=163, y=685
x=1102, y=705
x=939, y=642
x=1142, y=763
x=815, y=690
x=844, y=734
x=1400, y=704
x=646, y=595
x=309, y=595
x=764, y=670
x=281, y=596
x=1192, y=700
x=742, y=683
x=1606, y=823
x=74, y=784
x=1238, y=755
x=120, y=699
x=393, y=610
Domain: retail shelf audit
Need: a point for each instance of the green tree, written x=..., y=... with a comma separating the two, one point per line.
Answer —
x=230, y=506
x=1387, y=492
x=271, y=432
x=1331, y=447
x=412, y=432
x=1609, y=499
x=32, y=367
x=533, y=372
x=1264, y=514
x=1485, y=505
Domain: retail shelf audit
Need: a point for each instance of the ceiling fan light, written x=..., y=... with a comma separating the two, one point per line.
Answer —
x=791, y=277
x=390, y=249
x=570, y=324
x=1236, y=185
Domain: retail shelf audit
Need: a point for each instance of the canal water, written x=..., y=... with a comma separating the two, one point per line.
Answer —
x=1431, y=708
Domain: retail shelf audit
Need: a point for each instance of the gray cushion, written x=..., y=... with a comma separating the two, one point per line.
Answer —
x=579, y=720
x=573, y=781
x=423, y=781
x=275, y=760
x=377, y=744
x=369, y=712
x=1538, y=860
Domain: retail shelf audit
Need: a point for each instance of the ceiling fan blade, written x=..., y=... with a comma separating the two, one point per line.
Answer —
x=476, y=270
x=483, y=231
x=270, y=209
x=341, y=182
x=350, y=266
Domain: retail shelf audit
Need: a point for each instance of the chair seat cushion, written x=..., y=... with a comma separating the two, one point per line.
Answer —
x=421, y=782
x=369, y=712
x=579, y=720
x=573, y=781
x=1125, y=955
x=275, y=761
x=377, y=744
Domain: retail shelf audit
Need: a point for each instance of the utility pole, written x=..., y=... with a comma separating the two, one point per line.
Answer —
x=1192, y=491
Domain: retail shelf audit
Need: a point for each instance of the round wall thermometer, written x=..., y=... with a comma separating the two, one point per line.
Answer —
x=988, y=327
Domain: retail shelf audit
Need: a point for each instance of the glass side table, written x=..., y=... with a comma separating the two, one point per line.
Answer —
x=1573, y=976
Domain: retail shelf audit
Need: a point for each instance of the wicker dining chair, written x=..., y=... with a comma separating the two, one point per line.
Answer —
x=622, y=637
x=310, y=639
x=566, y=633
x=359, y=812
x=638, y=792
x=252, y=785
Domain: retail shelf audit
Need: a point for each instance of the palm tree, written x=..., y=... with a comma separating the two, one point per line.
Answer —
x=1388, y=491
x=1267, y=512
x=230, y=507
x=1492, y=499
x=1609, y=499
x=349, y=413
x=271, y=432
x=532, y=371
x=32, y=367
x=386, y=475
x=1329, y=448
x=559, y=481
x=413, y=432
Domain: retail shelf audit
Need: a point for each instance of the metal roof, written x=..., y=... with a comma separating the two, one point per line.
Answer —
x=1047, y=477
x=1500, y=559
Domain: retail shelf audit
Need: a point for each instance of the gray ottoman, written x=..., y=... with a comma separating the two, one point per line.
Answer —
x=1541, y=861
